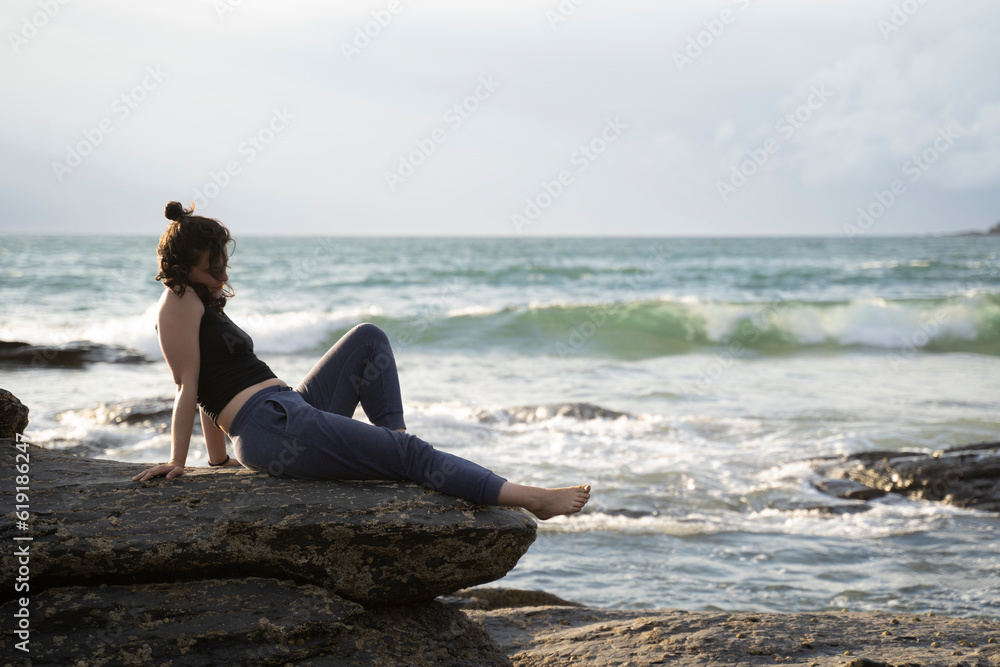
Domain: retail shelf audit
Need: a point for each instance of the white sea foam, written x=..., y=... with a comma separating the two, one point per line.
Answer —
x=871, y=322
x=893, y=517
x=294, y=331
x=598, y=521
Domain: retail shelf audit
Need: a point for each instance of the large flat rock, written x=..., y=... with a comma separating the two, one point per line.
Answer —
x=249, y=621
x=560, y=635
x=373, y=542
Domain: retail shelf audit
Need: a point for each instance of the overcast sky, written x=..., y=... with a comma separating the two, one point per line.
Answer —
x=435, y=117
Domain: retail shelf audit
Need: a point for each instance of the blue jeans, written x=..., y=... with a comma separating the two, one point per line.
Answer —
x=309, y=432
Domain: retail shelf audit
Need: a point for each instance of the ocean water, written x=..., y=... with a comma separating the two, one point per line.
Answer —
x=732, y=362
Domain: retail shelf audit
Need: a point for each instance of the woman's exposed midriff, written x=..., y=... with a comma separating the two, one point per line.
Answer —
x=225, y=419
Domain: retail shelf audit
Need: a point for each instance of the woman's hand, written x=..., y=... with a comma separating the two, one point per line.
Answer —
x=168, y=469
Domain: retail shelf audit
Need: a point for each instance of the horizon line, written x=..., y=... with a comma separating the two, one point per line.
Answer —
x=249, y=234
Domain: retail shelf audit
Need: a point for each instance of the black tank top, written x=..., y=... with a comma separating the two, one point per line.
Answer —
x=228, y=364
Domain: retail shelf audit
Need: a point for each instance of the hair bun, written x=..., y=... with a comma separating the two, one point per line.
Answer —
x=175, y=211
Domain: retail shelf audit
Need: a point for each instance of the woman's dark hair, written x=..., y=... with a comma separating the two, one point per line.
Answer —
x=187, y=238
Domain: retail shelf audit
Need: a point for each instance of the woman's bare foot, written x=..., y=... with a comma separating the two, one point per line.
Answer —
x=545, y=503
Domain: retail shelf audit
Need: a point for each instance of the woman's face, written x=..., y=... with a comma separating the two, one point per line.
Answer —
x=212, y=278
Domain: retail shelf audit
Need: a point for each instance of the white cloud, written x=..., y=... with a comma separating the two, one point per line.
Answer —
x=724, y=133
x=976, y=165
x=890, y=102
x=889, y=98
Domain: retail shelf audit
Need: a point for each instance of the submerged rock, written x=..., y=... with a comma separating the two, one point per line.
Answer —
x=531, y=414
x=504, y=598
x=149, y=412
x=73, y=354
x=966, y=476
x=371, y=542
x=13, y=415
x=848, y=489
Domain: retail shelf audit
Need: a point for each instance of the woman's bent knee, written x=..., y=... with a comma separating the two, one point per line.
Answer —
x=369, y=331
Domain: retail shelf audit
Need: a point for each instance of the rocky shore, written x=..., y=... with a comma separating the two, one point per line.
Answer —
x=227, y=566
x=572, y=635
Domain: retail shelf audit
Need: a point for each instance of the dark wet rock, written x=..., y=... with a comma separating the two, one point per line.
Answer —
x=834, y=510
x=503, y=598
x=967, y=476
x=152, y=411
x=72, y=355
x=248, y=621
x=13, y=415
x=530, y=414
x=372, y=542
x=7, y=346
x=848, y=489
x=149, y=412
x=630, y=513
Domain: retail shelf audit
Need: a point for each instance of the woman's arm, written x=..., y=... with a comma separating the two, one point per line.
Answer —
x=178, y=323
x=215, y=441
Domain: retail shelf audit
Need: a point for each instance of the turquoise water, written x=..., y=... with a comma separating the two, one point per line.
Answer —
x=734, y=359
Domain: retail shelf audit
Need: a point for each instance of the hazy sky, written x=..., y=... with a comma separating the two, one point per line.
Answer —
x=434, y=117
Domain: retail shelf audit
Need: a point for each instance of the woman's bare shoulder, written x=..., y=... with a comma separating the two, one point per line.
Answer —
x=187, y=305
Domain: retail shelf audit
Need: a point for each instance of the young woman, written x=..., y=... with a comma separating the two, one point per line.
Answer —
x=308, y=432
